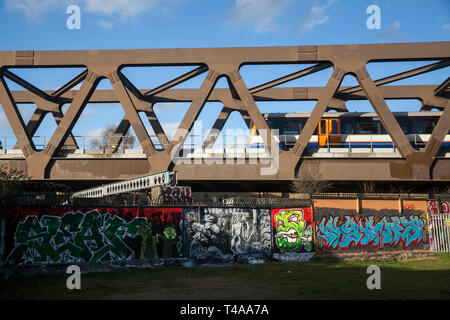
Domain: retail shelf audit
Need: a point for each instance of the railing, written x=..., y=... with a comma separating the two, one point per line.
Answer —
x=192, y=143
x=439, y=228
x=131, y=185
x=358, y=141
x=227, y=142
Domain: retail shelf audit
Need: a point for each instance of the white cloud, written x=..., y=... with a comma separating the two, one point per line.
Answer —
x=4, y=123
x=122, y=9
x=107, y=25
x=170, y=128
x=89, y=112
x=95, y=132
x=261, y=14
x=446, y=26
x=316, y=17
x=33, y=9
x=169, y=107
x=391, y=32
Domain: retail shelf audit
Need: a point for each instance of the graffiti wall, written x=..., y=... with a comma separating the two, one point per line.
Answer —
x=213, y=234
x=223, y=234
x=161, y=233
x=91, y=234
x=292, y=230
x=370, y=225
x=438, y=207
x=175, y=195
x=439, y=225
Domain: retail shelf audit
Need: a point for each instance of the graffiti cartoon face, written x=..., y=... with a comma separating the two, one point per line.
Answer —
x=170, y=233
x=290, y=226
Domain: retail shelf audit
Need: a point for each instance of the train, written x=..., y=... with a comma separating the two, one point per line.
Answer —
x=350, y=129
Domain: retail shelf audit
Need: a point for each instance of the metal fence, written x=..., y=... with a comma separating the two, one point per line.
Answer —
x=144, y=201
x=440, y=232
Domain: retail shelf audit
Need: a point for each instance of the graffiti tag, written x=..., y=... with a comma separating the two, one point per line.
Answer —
x=75, y=236
x=341, y=232
x=176, y=195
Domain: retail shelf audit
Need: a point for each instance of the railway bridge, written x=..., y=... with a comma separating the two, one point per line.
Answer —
x=63, y=156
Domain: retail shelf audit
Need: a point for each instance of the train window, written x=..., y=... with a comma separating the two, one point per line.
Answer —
x=291, y=131
x=420, y=125
x=323, y=127
x=403, y=122
x=348, y=128
x=334, y=128
x=366, y=125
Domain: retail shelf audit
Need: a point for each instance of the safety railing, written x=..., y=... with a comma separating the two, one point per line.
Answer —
x=130, y=144
x=369, y=142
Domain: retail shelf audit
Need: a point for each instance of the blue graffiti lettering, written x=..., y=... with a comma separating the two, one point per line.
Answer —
x=346, y=232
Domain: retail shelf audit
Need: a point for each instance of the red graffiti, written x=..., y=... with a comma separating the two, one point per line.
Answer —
x=307, y=215
x=433, y=207
x=161, y=216
x=176, y=195
x=445, y=207
x=156, y=215
x=436, y=207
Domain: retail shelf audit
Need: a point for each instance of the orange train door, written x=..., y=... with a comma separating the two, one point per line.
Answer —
x=329, y=132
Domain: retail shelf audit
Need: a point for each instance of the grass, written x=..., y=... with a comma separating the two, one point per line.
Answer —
x=316, y=279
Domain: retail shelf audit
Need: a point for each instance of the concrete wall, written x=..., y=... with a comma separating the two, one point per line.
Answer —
x=61, y=235
x=210, y=234
x=368, y=226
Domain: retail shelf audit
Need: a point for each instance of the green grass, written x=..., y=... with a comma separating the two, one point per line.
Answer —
x=408, y=279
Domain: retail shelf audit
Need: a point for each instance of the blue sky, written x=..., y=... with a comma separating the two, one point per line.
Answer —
x=129, y=24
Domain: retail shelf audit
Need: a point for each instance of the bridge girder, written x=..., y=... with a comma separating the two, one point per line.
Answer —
x=226, y=62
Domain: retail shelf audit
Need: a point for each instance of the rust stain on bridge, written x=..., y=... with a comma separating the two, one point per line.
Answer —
x=217, y=63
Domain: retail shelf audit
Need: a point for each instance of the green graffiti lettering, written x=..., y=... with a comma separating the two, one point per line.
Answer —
x=73, y=237
x=290, y=227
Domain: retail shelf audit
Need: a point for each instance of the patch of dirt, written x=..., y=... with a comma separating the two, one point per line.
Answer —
x=197, y=289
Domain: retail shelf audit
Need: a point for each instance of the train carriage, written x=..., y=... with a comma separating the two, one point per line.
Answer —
x=351, y=129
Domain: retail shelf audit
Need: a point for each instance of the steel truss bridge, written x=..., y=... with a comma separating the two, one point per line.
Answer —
x=55, y=163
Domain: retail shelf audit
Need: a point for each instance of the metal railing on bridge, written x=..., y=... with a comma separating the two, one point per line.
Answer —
x=194, y=143
x=131, y=185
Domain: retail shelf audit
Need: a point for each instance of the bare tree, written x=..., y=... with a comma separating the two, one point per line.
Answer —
x=367, y=186
x=11, y=181
x=308, y=183
x=103, y=142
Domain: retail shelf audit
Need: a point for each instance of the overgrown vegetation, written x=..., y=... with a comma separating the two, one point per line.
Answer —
x=11, y=183
x=104, y=141
x=15, y=184
x=308, y=183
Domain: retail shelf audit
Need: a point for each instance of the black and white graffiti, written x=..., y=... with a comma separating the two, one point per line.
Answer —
x=222, y=234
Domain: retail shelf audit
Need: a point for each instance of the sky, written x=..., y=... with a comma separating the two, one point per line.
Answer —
x=147, y=24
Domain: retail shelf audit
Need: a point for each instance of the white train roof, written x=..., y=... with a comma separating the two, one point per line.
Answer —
x=352, y=114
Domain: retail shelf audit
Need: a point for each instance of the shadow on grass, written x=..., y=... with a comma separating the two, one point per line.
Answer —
x=316, y=279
